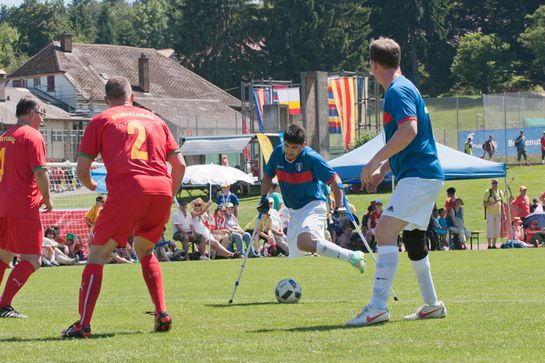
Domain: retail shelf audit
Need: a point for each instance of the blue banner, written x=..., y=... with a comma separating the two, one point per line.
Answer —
x=532, y=134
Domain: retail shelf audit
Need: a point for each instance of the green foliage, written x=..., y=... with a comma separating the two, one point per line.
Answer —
x=364, y=138
x=317, y=35
x=83, y=15
x=39, y=23
x=151, y=24
x=115, y=23
x=533, y=40
x=482, y=63
x=10, y=57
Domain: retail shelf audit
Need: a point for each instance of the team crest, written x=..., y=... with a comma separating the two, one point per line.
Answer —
x=299, y=167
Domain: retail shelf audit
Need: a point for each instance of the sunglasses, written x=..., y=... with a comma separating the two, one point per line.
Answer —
x=230, y=208
x=40, y=112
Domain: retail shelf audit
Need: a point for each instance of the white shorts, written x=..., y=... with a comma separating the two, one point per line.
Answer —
x=413, y=201
x=312, y=219
x=493, y=225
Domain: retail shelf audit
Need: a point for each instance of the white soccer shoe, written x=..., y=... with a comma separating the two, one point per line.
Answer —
x=369, y=316
x=429, y=312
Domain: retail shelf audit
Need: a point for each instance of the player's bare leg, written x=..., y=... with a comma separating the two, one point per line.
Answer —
x=310, y=243
x=151, y=271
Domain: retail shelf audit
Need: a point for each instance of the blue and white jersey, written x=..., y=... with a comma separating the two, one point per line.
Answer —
x=299, y=179
x=402, y=103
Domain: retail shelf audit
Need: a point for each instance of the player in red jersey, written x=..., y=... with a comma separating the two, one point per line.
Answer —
x=24, y=187
x=135, y=145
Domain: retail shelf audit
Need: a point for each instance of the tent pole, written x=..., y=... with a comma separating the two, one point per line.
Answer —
x=508, y=204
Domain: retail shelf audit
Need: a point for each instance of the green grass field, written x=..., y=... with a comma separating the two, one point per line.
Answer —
x=496, y=313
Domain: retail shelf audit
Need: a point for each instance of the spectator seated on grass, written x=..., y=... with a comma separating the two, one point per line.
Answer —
x=77, y=248
x=51, y=254
x=535, y=235
x=277, y=230
x=166, y=250
x=517, y=240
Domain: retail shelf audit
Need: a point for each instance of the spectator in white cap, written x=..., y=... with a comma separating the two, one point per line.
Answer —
x=237, y=233
x=276, y=227
x=226, y=196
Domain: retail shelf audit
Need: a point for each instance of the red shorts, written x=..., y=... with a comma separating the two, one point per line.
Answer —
x=145, y=215
x=22, y=236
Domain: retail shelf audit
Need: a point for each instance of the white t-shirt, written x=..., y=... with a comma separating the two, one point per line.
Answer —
x=276, y=223
x=184, y=221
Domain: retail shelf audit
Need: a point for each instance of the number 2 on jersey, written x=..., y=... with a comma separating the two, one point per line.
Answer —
x=136, y=153
x=2, y=159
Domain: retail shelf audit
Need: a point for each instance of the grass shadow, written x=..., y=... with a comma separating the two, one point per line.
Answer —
x=53, y=339
x=242, y=304
x=303, y=329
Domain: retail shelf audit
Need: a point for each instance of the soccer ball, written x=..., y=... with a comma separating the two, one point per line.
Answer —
x=288, y=291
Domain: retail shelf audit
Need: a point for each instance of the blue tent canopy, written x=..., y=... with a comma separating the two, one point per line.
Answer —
x=456, y=164
x=99, y=176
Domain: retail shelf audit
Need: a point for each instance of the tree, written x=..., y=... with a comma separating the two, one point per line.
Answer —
x=415, y=25
x=151, y=24
x=482, y=63
x=313, y=35
x=39, y=23
x=10, y=57
x=533, y=40
x=218, y=40
x=115, y=23
x=83, y=15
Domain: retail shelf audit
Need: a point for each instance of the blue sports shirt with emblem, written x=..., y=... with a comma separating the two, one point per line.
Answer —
x=402, y=103
x=299, y=179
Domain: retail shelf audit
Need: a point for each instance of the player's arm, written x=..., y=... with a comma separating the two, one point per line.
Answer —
x=338, y=193
x=83, y=171
x=403, y=136
x=40, y=175
x=177, y=162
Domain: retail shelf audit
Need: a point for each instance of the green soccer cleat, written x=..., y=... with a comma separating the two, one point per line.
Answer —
x=358, y=261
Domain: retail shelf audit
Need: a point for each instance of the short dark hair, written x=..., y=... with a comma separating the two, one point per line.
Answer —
x=451, y=190
x=441, y=210
x=25, y=106
x=118, y=88
x=100, y=198
x=386, y=52
x=295, y=134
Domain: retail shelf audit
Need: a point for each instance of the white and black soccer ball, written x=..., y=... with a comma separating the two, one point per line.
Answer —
x=288, y=291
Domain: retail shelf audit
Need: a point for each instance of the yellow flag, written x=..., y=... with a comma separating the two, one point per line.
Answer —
x=265, y=146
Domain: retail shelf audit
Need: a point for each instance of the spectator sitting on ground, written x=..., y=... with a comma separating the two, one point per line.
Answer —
x=51, y=254
x=237, y=233
x=76, y=247
x=457, y=226
x=226, y=196
x=200, y=220
x=263, y=232
x=60, y=240
x=440, y=229
x=276, y=228
x=276, y=195
x=517, y=240
x=344, y=233
x=451, y=198
x=520, y=206
x=535, y=235
x=372, y=220
x=182, y=225
x=218, y=228
x=166, y=250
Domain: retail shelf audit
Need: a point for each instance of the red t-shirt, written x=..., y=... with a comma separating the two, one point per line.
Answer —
x=22, y=151
x=449, y=203
x=134, y=144
x=373, y=218
x=542, y=141
x=522, y=204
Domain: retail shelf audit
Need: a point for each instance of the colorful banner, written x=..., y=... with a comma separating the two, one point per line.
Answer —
x=345, y=100
x=334, y=121
x=288, y=96
x=262, y=96
x=502, y=138
x=265, y=146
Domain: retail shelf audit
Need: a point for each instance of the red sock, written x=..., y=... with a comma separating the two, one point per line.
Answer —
x=91, y=281
x=151, y=270
x=3, y=268
x=16, y=280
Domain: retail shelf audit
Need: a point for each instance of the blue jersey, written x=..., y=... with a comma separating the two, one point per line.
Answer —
x=299, y=179
x=403, y=102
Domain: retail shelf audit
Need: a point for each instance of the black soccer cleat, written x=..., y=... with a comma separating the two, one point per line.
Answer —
x=77, y=330
x=8, y=311
x=163, y=322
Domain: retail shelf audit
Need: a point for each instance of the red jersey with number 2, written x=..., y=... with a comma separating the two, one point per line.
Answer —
x=134, y=144
x=22, y=150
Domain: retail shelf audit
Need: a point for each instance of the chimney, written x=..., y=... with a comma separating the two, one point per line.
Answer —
x=66, y=42
x=3, y=76
x=143, y=73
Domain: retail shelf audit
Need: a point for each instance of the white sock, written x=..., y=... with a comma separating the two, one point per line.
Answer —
x=388, y=257
x=329, y=249
x=423, y=276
